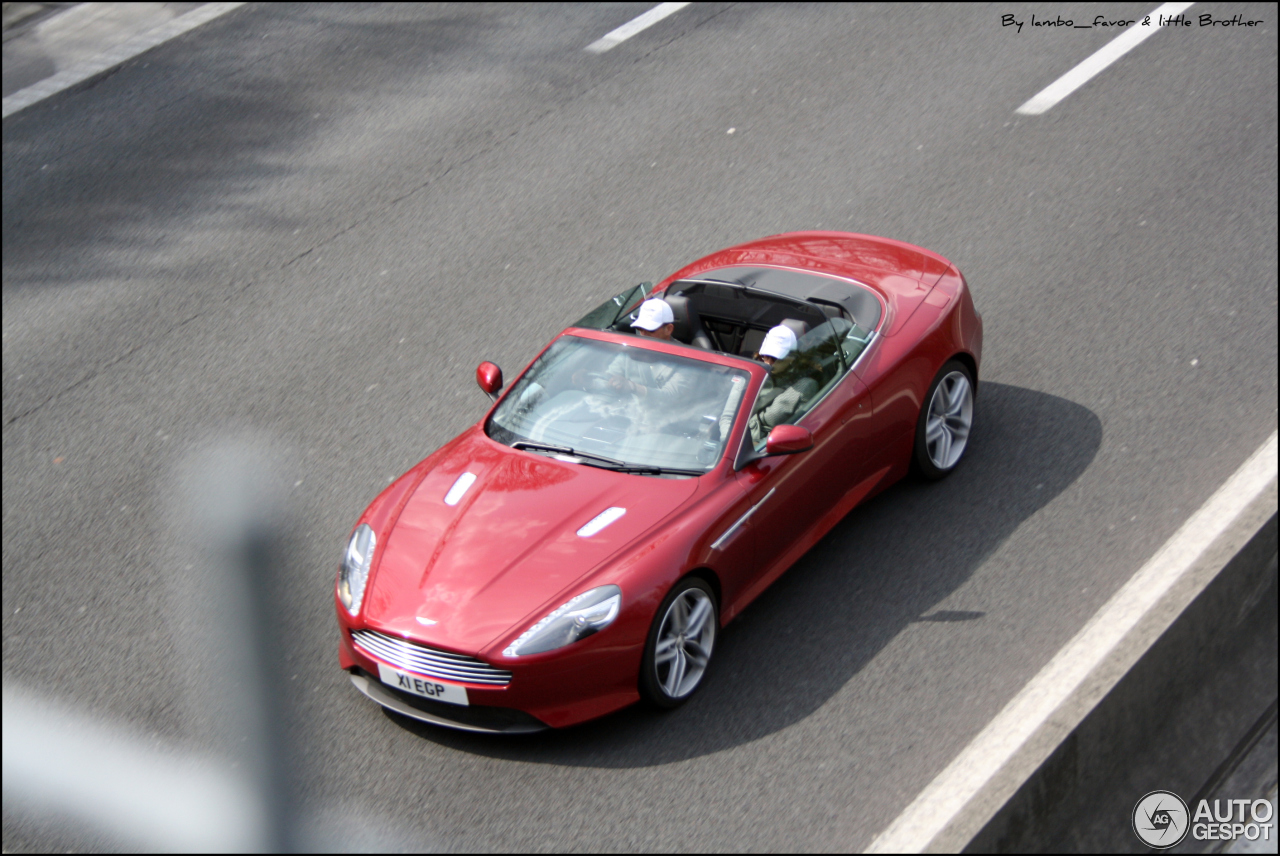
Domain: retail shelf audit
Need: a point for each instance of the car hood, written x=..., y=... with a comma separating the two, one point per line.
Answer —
x=461, y=575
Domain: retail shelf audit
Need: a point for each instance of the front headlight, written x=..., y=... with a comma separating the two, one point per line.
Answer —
x=587, y=613
x=355, y=567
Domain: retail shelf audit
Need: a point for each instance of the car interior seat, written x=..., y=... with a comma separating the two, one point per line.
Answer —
x=688, y=328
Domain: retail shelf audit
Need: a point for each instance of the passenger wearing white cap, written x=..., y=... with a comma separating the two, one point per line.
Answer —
x=777, y=343
x=786, y=388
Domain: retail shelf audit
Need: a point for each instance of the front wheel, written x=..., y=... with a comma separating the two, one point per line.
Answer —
x=942, y=431
x=680, y=642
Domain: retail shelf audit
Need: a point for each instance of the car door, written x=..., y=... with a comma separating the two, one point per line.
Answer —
x=800, y=497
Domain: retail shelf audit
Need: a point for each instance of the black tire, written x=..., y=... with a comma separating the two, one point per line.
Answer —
x=656, y=676
x=950, y=403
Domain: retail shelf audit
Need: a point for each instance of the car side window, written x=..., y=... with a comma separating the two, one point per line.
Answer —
x=855, y=341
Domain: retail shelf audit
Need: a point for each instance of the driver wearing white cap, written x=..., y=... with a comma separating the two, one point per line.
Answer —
x=783, y=392
x=655, y=320
x=644, y=373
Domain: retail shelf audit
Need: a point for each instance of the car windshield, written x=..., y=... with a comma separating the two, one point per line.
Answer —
x=623, y=407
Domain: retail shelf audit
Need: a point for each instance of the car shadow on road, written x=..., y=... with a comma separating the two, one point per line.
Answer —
x=877, y=572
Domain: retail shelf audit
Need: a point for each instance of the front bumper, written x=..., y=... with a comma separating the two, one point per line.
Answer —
x=487, y=720
x=593, y=679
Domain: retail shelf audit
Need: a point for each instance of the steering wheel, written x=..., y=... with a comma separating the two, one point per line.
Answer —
x=598, y=382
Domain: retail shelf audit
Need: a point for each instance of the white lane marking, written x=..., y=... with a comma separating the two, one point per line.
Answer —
x=635, y=25
x=67, y=78
x=1057, y=698
x=1107, y=54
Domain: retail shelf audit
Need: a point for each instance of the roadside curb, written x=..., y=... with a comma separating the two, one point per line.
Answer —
x=1013, y=753
x=92, y=68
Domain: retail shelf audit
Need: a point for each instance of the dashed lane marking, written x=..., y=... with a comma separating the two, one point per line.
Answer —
x=1109, y=53
x=635, y=25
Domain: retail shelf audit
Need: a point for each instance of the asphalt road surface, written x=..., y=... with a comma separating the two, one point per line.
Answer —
x=313, y=222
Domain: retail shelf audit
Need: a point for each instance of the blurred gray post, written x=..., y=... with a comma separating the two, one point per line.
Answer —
x=236, y=504
x=226, y=619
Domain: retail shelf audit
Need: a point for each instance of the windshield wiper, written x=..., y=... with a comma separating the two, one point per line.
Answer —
x=650, y=470
x=613, y=463
x=593, y=460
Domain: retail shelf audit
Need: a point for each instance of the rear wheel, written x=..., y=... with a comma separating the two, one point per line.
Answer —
x=942, y=431
x=680, y=642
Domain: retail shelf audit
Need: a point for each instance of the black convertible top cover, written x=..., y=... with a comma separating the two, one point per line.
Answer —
x=860, y=302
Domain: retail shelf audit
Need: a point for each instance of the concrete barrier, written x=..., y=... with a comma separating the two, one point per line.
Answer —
x=1167, y=724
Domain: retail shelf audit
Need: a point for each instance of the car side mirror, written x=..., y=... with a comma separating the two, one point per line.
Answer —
x=782, y=440
x=788, y=440
x=489, y=376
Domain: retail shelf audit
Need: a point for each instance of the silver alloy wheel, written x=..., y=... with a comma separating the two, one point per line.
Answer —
x=685, y=639
x=950, y=417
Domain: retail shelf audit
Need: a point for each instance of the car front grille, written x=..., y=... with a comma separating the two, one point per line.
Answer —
x=432, y=662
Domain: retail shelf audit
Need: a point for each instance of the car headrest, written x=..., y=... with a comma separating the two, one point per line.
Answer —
x=680, y=312
x=796, y=326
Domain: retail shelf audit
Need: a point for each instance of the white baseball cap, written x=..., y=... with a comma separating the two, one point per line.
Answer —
x=778, y=342
x=654, y=312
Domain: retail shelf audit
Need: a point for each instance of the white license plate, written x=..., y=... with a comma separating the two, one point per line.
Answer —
x=425, y=687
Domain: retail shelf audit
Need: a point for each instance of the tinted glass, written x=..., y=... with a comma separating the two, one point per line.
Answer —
x=802, y=378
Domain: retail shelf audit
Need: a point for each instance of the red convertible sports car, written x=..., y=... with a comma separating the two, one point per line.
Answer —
x=653, y=470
